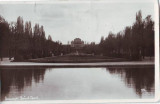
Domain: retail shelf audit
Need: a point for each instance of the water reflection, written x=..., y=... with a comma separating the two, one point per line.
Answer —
x=141, y=79
x=78, y=83
x=19, y=78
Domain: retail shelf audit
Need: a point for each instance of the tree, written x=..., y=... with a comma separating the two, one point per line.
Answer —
x=149, y=36
x=127, y=42
x=4, y=38
x=135, y=42
x=19, y=39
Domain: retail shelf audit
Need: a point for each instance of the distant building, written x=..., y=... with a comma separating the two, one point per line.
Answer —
x=77, y=43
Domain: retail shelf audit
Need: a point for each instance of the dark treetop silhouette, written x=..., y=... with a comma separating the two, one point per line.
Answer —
x=22, y=42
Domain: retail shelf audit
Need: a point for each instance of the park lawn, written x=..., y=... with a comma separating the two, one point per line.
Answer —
x=76, y=59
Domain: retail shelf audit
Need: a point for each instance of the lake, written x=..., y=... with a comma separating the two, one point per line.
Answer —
x=77, y=83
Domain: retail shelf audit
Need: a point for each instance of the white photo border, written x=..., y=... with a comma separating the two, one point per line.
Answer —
x=157, y=45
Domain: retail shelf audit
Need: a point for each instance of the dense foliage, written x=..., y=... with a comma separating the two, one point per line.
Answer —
x=134, y=42
x=22, y=42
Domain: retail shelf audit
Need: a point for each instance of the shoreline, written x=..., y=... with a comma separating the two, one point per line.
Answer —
x=9, y=64
x=61, y=65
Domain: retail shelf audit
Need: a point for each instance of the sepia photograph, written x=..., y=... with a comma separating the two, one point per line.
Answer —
x=72, y=51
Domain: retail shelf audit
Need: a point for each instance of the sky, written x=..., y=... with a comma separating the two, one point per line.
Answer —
x=89, y=21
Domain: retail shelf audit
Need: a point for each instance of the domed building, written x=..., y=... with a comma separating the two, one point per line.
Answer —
x=77, y=43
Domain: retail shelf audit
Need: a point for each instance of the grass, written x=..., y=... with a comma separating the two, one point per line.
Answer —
x=77, y=59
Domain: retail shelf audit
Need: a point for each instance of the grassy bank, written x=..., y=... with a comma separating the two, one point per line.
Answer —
x=77, y=59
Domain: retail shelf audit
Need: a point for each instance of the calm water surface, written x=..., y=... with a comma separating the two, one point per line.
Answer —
x=78, y=83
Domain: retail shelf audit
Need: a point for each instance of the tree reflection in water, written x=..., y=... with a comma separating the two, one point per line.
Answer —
x=136, y=78
x=141, y=79
x=19, y=78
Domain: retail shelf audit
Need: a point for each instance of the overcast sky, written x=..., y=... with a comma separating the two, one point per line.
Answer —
x=88, y=21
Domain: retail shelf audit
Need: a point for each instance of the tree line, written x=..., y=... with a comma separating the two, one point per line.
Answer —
x=134, y=42
x=21, y=41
